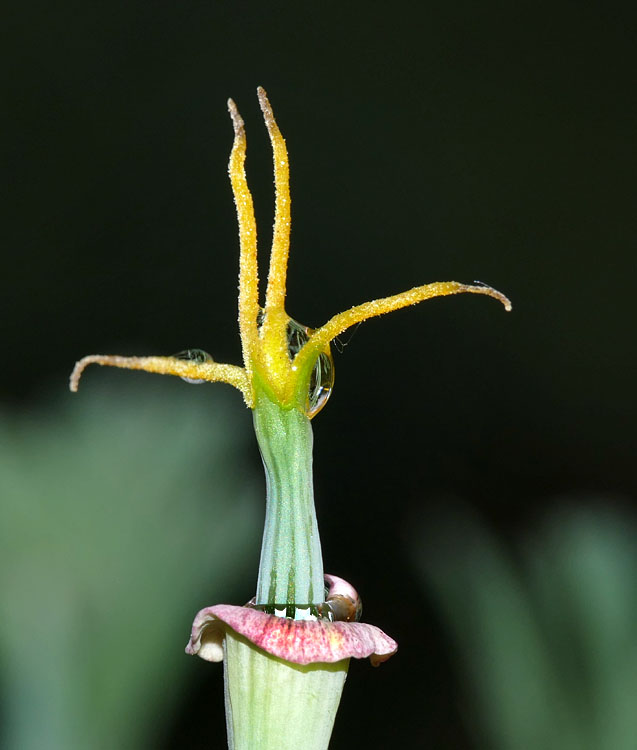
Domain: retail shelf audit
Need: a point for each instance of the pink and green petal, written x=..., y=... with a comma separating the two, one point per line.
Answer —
x=295, y=641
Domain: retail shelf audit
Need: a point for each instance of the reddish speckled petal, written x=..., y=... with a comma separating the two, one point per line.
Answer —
x=297, y=641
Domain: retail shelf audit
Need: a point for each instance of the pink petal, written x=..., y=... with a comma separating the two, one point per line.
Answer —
x=297, y=641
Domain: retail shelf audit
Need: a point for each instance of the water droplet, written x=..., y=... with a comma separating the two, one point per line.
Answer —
x=321, y=383
x=322, y=377
x=341, y=609
x=194, y=355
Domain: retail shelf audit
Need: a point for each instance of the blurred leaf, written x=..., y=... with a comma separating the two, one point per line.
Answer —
x=547, y=643
x=123, y=512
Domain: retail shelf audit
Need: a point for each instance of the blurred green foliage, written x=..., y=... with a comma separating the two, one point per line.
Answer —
x=123, y=511
x=546, y=642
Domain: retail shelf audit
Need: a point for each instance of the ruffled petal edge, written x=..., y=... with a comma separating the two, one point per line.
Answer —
x=295, y=641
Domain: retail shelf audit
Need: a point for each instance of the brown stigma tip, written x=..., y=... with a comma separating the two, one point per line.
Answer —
x=264, y=103
x=237, y=120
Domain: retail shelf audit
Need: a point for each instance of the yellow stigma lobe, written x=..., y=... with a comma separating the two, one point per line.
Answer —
x=248, y=268
x=265, y=349
x=209, y=371
x=322, y=336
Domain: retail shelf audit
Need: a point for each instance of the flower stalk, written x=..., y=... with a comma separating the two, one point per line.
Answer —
x=291, y=569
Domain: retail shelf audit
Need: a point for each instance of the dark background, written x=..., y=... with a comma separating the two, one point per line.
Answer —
x=462, y=141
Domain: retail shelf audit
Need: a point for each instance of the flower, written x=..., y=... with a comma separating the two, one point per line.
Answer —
x=287, y=652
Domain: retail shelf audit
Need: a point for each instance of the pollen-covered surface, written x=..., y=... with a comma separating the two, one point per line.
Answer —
x=248, y=267
x=339, y=323
x=208, y=371
x=277, y=275
x=296, y=641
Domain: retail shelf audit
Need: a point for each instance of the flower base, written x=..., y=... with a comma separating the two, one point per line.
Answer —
x=272, y=704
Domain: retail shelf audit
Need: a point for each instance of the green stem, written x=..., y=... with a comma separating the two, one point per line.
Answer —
x=291, y=567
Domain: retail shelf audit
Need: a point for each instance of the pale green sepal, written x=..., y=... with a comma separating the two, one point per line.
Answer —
x=272, y=704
